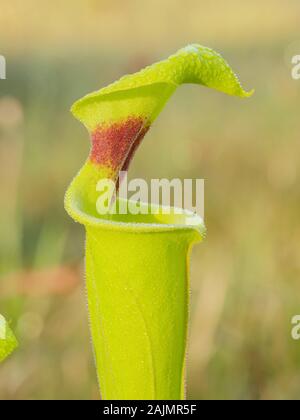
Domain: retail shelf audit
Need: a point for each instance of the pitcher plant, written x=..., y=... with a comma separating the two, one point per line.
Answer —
x=137, y=266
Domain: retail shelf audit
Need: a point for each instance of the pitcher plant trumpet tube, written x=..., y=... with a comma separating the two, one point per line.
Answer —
x=137, y=266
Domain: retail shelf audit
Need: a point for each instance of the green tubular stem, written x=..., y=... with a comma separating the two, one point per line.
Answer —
x=138, y=293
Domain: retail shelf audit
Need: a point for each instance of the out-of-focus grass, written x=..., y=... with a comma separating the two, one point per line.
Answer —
x=245, y=276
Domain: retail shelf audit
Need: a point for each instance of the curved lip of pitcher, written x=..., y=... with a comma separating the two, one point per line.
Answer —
x=187, y=220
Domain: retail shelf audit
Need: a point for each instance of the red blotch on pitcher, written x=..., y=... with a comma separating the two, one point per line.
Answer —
x=114, y=145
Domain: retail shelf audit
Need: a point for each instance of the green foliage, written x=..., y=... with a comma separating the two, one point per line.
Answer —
x=8, y=341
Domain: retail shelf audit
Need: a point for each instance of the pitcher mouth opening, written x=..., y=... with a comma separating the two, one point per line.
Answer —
x=159, y=219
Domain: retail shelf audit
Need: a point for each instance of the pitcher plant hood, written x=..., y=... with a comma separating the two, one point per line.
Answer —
x=118, y=116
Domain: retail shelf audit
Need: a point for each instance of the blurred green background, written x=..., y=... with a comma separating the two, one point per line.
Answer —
x=245, y=276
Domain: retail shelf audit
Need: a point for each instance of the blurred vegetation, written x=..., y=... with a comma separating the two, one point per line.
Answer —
x=245, y=276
